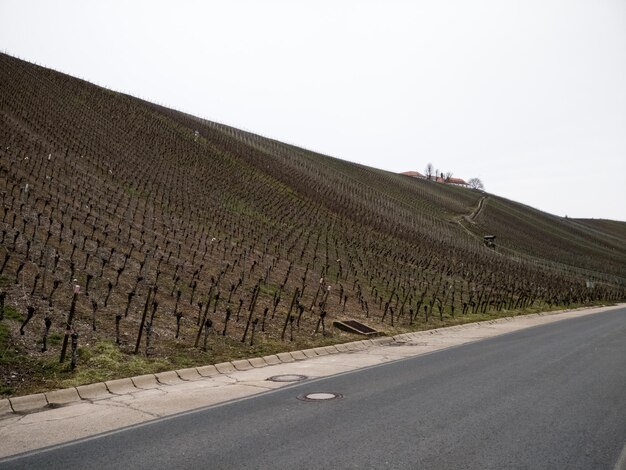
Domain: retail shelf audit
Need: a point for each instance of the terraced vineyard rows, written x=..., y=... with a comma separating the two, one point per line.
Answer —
x=165, y=236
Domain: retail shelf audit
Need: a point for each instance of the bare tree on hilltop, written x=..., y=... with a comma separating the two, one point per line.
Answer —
x=476, y=183
x=430, y=171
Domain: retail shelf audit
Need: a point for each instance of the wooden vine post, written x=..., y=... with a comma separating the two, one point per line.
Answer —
x=143, y=320
x=68, y=324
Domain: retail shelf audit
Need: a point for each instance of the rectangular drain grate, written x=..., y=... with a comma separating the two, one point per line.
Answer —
x=357, y=327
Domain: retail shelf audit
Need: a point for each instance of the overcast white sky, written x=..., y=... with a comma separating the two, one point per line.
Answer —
x=528, y=95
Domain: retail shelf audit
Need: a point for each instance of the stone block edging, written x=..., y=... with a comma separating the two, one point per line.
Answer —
x=104, y=390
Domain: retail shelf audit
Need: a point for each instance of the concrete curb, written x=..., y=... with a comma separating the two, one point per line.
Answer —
x=285, y=357
x=189, y=374
x=208, y=371
x=258, y=362
x=103, y=390
x=242, y=364
x=145, y=382
x=97, y=391
x=120, y=386
x=168, y=378
x=111, y=388
x=271, y=360
x=225, y=368
x=62, y=397
x=28, y=402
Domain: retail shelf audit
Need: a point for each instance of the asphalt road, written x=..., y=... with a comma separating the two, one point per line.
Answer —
x=549, y=397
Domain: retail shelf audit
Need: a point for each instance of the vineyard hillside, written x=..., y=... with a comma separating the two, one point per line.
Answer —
x=136, y=238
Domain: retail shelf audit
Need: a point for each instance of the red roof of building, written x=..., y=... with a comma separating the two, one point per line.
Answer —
x=414, y=174
x=457, y=181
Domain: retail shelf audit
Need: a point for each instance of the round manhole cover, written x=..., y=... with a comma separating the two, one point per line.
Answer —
x=287, y=378
x=320, y=396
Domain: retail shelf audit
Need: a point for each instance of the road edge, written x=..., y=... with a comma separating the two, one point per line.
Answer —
x=38, y=402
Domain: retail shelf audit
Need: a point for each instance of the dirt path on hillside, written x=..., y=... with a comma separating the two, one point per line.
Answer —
x=476, y=212
x=472, y=216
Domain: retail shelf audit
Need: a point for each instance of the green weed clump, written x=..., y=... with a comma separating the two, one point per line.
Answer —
x=11, y=313
x=104, y=361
